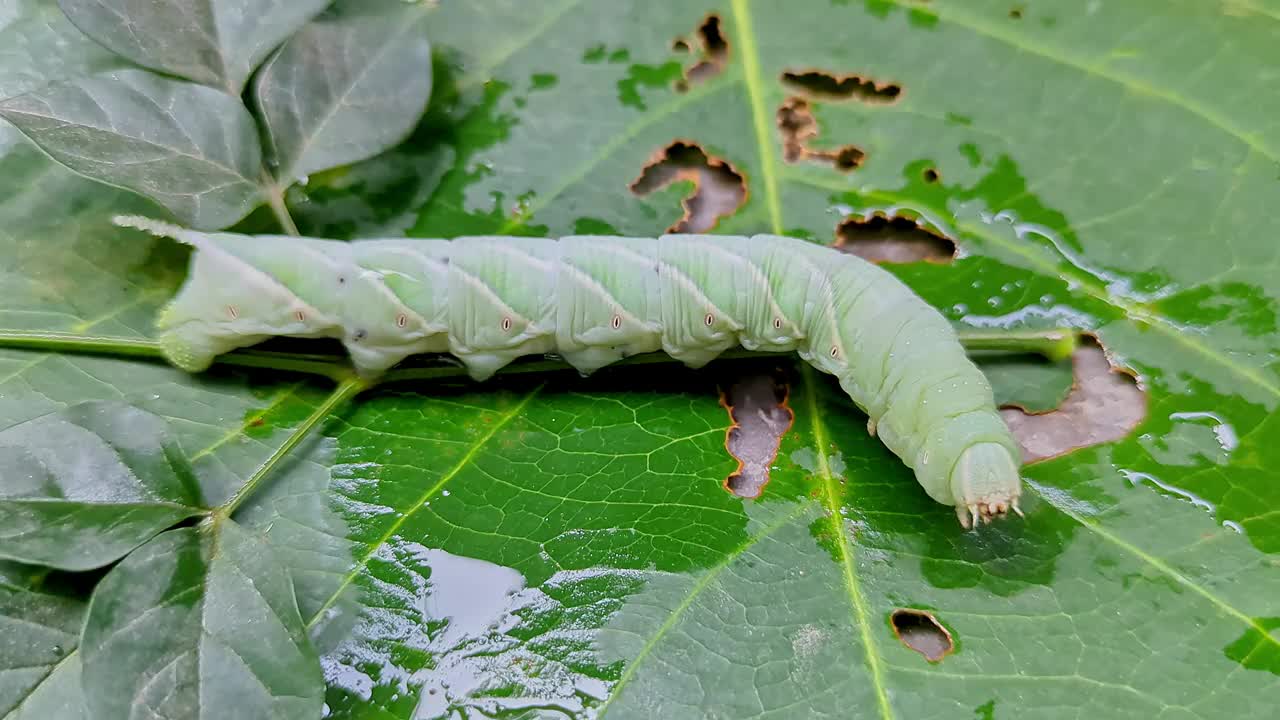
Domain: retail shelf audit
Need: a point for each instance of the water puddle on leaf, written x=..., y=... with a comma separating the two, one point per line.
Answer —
x=481, y=667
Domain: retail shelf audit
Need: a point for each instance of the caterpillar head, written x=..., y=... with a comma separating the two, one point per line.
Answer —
x=985, y=484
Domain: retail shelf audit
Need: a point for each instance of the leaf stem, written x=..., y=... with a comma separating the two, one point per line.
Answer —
x=332, y=367
x=347, y=389
x=82, y=344
x=275, y=198
x=1055, y=345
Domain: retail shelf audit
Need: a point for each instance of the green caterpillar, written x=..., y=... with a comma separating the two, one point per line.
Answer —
x=595, y=300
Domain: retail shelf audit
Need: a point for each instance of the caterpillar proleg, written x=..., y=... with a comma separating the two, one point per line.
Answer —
x=594, y=300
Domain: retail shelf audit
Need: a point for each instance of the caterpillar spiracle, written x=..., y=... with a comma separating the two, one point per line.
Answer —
x=594, y=300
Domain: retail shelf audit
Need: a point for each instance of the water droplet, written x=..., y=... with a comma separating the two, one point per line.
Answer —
x=1046, y=299
x=994, y=302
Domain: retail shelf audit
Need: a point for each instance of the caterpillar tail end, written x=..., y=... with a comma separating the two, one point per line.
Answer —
x=192, y=347
x=182, y=354
x=985, y=484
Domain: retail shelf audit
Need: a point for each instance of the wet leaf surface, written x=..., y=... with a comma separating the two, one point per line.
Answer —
x=544, y=545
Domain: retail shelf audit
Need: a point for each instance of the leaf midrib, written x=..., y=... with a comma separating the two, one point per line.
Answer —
x=759, y=113
x=387, y=46
x=844, y=545
x=705, y=581
x=233, y=172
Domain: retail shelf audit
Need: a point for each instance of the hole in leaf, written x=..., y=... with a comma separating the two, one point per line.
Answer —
x=895, y=239
x=798, y=126
x=719, y=189
x=713, y=55
x=1105, y=404
x=931, y=175
x=715, y=51
x=711, y=61
x=757, y=406
x=848, y=158
x=826, y=86
x=1016, y=13
x=921, y=632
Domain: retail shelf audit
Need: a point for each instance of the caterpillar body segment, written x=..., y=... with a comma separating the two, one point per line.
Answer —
x=595, y=300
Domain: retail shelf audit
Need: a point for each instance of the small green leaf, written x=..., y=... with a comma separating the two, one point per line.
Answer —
x=192, y=149
x=346, y=87
x=82, y=487
x=200, y=623
x=39, y=632
x=215, y=42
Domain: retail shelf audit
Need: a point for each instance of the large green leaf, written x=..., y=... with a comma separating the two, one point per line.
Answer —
x=82, y=487
x=38, y=45
x=72, y=272
x=554, y=545
x=215, y=42
x=192, y=148
x=222, y=635
x=347, y=86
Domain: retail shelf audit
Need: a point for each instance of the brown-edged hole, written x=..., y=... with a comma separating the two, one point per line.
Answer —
x=1105, y=404
x=757, y=406
x=895, y=239
x=719, y=189
x=931, y=175
x=921, y=632
x=848, y=158
x=712, y=58
x=798, y=126
x=822, y=85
